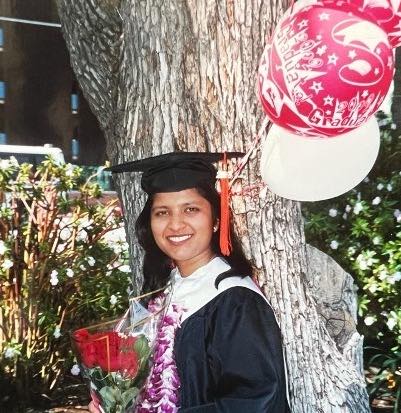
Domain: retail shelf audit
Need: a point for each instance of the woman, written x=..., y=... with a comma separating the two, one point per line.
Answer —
x=228, y=349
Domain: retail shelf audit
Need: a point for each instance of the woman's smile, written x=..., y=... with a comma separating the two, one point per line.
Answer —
x=182, y=226
x=178, y=239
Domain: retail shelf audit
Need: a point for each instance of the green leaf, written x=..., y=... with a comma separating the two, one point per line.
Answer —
x=141, y=346
x=128, y=397
x=110, y=396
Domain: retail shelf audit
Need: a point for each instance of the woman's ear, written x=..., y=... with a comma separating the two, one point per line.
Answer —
x=216, y=225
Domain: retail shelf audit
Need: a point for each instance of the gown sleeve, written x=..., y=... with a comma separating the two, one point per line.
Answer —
x=243, y=344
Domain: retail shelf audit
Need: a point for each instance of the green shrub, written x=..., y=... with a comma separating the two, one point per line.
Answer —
x=63, y=265
x=361, y=230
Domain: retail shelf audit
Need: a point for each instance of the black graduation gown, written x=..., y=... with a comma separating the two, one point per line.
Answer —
x=229, y=357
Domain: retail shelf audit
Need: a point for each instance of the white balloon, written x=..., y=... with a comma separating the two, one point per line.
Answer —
x=305, y=169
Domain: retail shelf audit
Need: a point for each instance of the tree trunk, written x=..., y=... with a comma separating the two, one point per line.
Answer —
x=181, y=75
x=396, y=101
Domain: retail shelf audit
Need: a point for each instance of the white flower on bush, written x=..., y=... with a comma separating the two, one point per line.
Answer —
x=54, y=278
x=60, y=247
x=115, y=236
x=333, y=212
x=345, y=216
x=119, y=247
x=380, y=187
x=14, y=161
x=75, y=370
x=56, y=332
x=125, y=268
x=383, y=275
x=351, y=250
x=373, y=288
x=364, y=262
x=389, y=187
x=7, y=264
x=391, y=323
x=369, y=320
x=397, y=276
x=69, y=170
x=348, y=208
x=376, y=240
x=10, y=353
x=113, y=300
x=392, y=279
x=65, y=234
x=53, y=281
x=82, y=235
x=82, y=267
x=69, y=272
x=87, y=224
x=358, y=208
x=91, y=261
x=376, y=200
x=334, y=244
x=397, y=215
x=13, y=233
x=5, y=163
x=3, y=248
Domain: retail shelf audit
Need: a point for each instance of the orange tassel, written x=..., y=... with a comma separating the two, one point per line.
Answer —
x=225, y=239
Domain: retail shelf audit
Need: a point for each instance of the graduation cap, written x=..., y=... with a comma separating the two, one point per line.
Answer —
x=176, y=171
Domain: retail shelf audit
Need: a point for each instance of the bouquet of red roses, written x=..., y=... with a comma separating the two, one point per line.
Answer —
x=115, y=357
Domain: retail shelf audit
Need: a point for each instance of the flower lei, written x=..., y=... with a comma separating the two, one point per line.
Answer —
x=160, y=394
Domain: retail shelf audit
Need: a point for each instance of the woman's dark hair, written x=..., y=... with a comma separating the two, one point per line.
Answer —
x=157, y=265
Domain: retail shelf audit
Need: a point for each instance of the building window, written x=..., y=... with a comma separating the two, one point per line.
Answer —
x=1, y=39
x=3, y=138
x=75, y=145
x=2, y=91
x=74, y=103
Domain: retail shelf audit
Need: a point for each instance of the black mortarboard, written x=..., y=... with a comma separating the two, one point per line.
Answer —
x=175, y=171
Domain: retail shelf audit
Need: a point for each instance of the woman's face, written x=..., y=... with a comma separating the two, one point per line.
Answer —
x=182, y=226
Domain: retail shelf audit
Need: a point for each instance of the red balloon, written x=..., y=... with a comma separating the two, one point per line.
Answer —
x=326, y=70
x=387, y=14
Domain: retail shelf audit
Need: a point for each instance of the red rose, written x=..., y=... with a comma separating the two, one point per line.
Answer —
x=109, y=350
x=86, y=348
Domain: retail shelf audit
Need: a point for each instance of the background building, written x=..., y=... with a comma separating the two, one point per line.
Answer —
x=40, y=100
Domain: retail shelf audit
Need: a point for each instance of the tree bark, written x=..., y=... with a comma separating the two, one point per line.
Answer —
x=181, y=75
x=396, y=101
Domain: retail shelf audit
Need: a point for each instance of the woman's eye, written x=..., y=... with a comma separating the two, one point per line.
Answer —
x=192, y=209
x=160, y=213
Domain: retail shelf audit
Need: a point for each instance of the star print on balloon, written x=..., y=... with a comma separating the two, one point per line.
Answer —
x=326, y=70
x=386, y=13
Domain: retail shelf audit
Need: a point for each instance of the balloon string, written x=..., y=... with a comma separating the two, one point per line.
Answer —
x=254, y=146
x=292, y=6
x=252, y=190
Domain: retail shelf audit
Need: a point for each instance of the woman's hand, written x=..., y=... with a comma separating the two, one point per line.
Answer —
x=93, y=407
